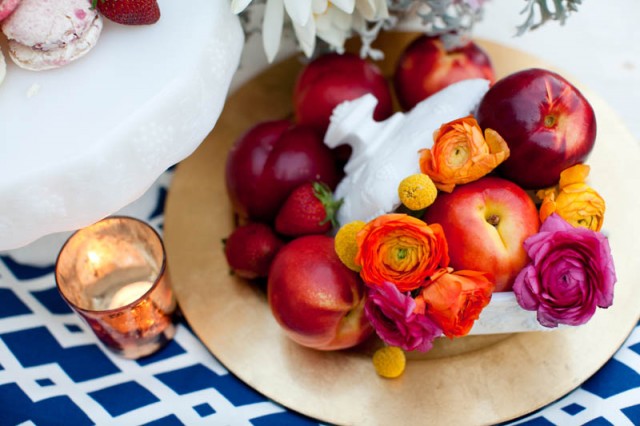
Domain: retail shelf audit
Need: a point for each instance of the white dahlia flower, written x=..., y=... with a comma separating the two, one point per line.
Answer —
x=330, y=20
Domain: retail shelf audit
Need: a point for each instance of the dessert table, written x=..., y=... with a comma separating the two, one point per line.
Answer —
x=53, y=370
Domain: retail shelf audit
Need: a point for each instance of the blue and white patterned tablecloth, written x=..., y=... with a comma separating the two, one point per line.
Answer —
x=53, y=371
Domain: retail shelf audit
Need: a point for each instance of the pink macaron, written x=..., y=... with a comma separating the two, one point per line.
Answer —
x=6, y=7
x=49, y=34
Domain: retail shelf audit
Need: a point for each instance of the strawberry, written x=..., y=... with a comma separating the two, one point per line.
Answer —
x=129, y=12
x=250, y=249
x=309, y=209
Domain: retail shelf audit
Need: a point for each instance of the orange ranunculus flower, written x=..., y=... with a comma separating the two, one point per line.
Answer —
x=574, y=200
x=461, y=154
x=400, y=249
x=454, y=300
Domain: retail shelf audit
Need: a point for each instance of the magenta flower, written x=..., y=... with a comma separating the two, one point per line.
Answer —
x=392, y=315
x=570, y=274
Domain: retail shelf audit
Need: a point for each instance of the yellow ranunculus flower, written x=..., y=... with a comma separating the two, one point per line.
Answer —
x=574, y=200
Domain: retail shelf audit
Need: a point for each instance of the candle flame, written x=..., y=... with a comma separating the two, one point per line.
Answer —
x=94, y=258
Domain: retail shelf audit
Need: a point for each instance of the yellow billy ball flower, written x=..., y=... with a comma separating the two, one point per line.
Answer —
x=417, y=191
x=389, y=362
x=574, y=200
x=346, y=245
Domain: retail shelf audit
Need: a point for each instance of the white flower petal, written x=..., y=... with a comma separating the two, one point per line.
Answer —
x=347, y=6
x=334, y=27
x=306, y=35
x=358, y=23
x=298, y=10
x=319, y=6
x=272, y=28
x=238, y=6
x=382, y=11
x=340, y=20
x=372, y=10
x=335, y=39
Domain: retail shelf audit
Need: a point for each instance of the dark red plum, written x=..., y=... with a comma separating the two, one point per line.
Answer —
x=426, y=67
x=332, y=79
x=271, y=160
x=547, y=123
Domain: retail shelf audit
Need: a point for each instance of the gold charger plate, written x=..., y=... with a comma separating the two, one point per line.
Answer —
x=473, y=380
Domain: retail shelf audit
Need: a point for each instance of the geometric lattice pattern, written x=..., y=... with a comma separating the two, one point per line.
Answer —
x=54, y=371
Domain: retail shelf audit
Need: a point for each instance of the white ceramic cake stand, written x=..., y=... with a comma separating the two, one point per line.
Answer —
x=81, y=142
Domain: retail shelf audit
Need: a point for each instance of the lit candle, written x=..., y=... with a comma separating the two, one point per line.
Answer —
x=129, y=293
x=113, y=273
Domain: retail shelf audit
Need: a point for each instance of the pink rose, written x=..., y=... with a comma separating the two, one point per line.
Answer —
x=570, y=274
x=393, y=316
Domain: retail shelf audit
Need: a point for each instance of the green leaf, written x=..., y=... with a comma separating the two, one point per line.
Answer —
x=331, y=206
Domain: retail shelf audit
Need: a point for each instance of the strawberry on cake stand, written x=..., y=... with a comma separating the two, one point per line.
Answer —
x=82, y=141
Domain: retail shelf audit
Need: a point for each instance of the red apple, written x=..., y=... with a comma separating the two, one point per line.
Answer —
x=547, y=123
x=485, y=223
x=333, y=78
x=317, y=300
x=250, y=249
x=271, y=160
x=426, y=67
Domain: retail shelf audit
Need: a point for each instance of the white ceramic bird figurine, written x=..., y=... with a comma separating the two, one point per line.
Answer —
x=384, y=153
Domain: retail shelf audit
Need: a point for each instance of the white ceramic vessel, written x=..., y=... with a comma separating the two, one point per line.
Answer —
x=384, y=153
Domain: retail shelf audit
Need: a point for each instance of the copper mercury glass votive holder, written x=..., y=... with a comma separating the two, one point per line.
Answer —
x=114, y=275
